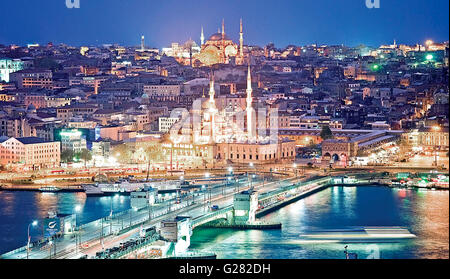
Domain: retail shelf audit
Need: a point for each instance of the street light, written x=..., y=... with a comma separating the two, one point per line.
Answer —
x=50, y=243
x=77, y=242
x=131, y=211
x=34, y=223
x=111, y=213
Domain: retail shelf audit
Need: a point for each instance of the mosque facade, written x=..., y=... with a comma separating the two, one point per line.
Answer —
x=217, y=49
x=229, y=135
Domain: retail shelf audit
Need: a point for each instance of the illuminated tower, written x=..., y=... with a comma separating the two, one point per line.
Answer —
x=212, y=111
x=202, y=38
x=223, y=29
x=241, y=42
x=142, y=43
x=212, y=92
x=251, y=130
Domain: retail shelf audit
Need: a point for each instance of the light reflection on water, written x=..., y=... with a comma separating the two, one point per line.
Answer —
x=425, y=214
x=18, y=209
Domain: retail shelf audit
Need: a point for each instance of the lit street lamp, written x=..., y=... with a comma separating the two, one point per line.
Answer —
x=111, y=213
x=50, y=243
x=34, y=223
x=77, y=238
x=131, y=211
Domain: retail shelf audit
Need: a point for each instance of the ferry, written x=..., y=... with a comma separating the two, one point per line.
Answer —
x=49, y=189
x=125, y=187
x=360, y=234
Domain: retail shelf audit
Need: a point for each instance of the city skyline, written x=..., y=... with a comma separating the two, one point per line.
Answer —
x=325, y=23
x=224, y=130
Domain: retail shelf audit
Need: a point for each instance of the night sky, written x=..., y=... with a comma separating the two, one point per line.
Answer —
x=282, y=21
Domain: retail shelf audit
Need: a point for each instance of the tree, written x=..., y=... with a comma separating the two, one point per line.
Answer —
x=67, y=156
x=47, y=63
x=123, y=153
x=85, y=155
x=154, y=153
x=326, y=133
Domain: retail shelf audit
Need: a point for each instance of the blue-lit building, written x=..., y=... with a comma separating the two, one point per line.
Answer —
x=7, y=66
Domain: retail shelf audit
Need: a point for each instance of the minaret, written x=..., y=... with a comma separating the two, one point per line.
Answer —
x=250, y=119
x=241, y=41
x=212, y=109
x=142, y=43
x=223, y=29
x=202, y=38
x=212, y=92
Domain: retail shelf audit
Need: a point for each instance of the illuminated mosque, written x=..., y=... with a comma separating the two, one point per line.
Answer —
x=228, y=135
x=219, y=48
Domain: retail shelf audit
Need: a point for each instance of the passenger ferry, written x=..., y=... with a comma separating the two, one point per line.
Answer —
x=362, y=234
x=125, y=187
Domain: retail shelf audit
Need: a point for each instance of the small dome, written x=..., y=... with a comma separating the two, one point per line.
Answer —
x=31, y=108
x=190, y=43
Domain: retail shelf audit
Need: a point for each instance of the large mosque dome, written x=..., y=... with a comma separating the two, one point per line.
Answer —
x=217, y=37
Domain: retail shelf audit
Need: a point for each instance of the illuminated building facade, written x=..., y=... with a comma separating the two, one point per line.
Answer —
x=229, y=134
x=8, y=66
x=219, y=49
x=31, y=78
x=72, y=139
x=29, y=153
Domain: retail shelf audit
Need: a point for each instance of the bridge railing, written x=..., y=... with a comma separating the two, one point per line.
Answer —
x=198, y=220
x=283, y=189
x=10, y=253
x=129, y=250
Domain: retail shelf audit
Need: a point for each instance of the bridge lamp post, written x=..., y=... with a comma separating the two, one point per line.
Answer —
x=230, y=173
x=209, y=202
x=150, y=210
x=237, y=184
x=295, y=169
x=50, y=243
x=248, y=175
x=77, y=209
x=111, y=214
x=34, y=223
x=204, y=195
x=131, y=211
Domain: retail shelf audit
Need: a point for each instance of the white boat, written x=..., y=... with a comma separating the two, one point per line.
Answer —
x=360, y=234
x=49, y=189
x=92, y=190
x=126, y=187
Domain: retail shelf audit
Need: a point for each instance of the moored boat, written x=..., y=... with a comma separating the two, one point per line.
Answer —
x=49, y=189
